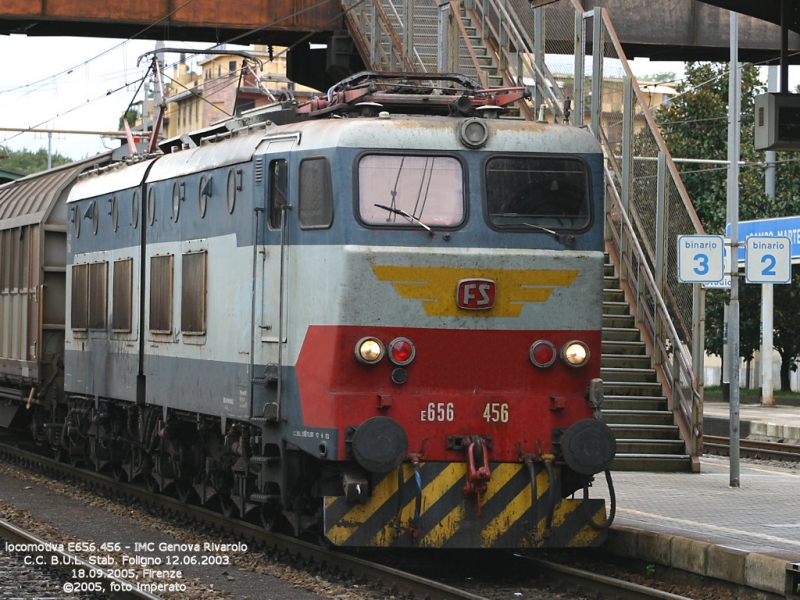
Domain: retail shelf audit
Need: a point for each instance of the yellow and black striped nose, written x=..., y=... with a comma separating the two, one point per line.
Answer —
x=432, y=511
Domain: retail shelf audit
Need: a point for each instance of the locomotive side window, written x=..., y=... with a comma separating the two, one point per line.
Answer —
x=135, y=208
x=316, y=194
x=428, y=189
x=151, y=205
x=525, y=191
x=204, y=194
x=177, y=198
x=114, y=212
x=161, y=294
x=234, y=185
x=193, y=293
x=79, y=315
x=122, y=295
x=278, y=191
x=98, y=286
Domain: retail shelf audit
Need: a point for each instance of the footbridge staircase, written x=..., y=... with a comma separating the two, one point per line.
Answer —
x=578, y=74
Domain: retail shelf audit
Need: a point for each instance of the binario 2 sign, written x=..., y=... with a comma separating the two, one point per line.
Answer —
x=768, y=259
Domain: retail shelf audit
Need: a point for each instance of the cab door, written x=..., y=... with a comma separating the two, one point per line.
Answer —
x=271, y=272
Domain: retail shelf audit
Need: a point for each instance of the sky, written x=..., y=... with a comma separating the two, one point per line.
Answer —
x=87, y=83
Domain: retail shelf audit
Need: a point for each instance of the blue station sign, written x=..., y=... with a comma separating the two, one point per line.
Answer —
x=780, y=227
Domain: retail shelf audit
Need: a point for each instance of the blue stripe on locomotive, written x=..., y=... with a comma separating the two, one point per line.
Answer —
x=345, y=229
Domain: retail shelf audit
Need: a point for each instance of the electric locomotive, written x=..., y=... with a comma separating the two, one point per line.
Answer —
x=374, y=317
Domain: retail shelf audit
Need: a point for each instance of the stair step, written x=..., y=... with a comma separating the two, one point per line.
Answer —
x=616, y=307
x=634, y=403
x=610, y=282
x=637, y=417
x=613, y=295
x=652, y=462
x=645, y=432
x=613, y=375
x=625, y=321
x=634, y=388
x=621, y=334
x=631, y=347
x=636, y=361
x=659, y=447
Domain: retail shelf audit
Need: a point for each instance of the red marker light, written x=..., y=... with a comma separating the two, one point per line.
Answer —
x=543, y=353
x=401, y=351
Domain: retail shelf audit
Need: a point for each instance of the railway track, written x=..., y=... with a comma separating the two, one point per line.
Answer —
x=397, y=582
x=713, y=444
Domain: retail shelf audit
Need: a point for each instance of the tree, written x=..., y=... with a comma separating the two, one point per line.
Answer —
x=664, y=76
x=28, y=162
x=695, y=125
x=130, y=116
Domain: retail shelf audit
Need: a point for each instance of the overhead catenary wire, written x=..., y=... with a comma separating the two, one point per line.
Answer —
x=249, y=32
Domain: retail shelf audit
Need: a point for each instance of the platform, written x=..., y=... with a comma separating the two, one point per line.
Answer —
x=698, y=523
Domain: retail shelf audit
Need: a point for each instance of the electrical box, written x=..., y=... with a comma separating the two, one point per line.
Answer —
x=777, y=118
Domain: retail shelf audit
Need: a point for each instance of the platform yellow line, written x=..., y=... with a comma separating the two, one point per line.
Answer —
x=697, y=524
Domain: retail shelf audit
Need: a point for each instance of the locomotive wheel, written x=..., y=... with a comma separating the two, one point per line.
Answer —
x=151, y=484
x=185, y=491
x=272, y=518
x=227, y=505
x=118, y=473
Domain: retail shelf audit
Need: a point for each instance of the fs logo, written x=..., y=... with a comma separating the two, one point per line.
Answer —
x=475, y=294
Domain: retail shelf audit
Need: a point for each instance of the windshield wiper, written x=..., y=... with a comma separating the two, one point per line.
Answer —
x=402, y=213
x=561, y=239
x=540, y=228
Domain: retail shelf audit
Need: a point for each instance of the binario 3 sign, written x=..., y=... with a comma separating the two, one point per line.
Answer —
x=700, y=258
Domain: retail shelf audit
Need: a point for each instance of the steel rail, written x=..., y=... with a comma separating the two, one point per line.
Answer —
x=296, y=549
x=752, y=448
x=308, y=554
x=609, y=586
x=65, y=562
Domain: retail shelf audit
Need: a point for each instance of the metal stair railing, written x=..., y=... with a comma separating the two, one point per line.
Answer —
x=387, y=43
x=647, y=207
x=649, y=307
x=520, y=60
x=375, y=36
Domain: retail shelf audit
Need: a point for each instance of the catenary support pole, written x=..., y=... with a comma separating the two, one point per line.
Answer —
x=767, y=289
x=734, y=102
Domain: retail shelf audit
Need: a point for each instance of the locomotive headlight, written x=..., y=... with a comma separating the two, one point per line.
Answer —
x=369, y=350
x=575, y=354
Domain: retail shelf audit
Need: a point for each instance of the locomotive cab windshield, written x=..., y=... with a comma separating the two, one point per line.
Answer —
x=547, y=192
x=397, y=189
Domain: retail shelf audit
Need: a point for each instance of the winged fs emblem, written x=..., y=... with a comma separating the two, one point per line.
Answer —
x=478, y=292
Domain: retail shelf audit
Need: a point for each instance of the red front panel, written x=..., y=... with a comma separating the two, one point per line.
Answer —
x=461, y=383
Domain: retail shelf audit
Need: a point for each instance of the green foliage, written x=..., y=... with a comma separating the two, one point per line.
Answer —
x=695, y=125
x=131, y=116
x=28, y=162
x=651, y=570
x=665, y=76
